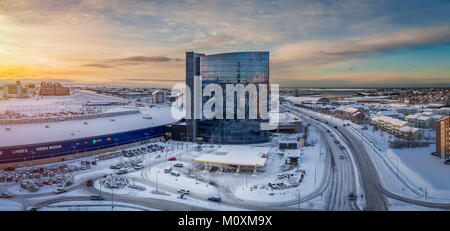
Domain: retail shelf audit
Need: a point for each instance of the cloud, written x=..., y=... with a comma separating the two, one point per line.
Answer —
x=309, y=55
x=215, y=41
x=154, y=80
x=133, y=60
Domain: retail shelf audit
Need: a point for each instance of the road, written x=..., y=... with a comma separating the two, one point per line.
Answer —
x=375, y=200
x=375, y=193
x=343, y=179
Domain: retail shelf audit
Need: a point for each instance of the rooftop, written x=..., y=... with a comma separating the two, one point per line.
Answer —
x=242, y=155
x=21, y=134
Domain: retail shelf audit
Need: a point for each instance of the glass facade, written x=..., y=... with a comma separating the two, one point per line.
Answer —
x=234, y=68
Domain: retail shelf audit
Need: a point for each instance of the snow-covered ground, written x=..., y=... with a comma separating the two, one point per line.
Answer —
x=420, y=175
x=10, y=205
x=52, y=104
x=21, y=134
x=93, y=206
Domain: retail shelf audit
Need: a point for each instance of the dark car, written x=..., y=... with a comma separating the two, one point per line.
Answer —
x=447, y=162
x=96, y=198
x=215, y=199
x=89, y=183
x=351, y=196
x=114, y=167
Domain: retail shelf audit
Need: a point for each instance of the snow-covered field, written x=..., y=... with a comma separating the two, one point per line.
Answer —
x=420, y=175
x=52, y=104
x=93, y=206
x=10, y=205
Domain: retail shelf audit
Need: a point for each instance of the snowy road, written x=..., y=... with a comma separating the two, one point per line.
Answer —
x=342, y=177
x=376, y=193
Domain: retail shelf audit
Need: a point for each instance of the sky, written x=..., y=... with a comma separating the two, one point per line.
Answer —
x=143, y=43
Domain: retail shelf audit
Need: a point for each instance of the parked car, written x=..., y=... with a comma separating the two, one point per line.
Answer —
x=175, y=174
x=172, y=159
x=215, y=199
x=281, y=176
x=178, y=165
x=122, y=171
x=168, y=170
x=138, y=166
x=89, y=183
x=447, y=162
x=342, y=147
x=114, y=167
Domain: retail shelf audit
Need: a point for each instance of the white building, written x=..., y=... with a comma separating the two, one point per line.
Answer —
x=158, y=96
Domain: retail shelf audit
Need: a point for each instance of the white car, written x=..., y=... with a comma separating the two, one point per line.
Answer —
x=60, y=190
x=281, y=176
x=184, y=191
x=5, y=195
x=139, y=166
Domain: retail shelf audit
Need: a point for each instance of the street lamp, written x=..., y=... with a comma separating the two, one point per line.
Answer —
x=117, y=143
x=157, y=181
x=32, y=158
x=148, y=153
x=396, y=160
x=73, y=153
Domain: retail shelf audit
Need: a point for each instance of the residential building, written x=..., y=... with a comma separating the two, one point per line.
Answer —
x=443, y=137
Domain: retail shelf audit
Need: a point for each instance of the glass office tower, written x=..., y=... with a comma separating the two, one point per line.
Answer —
x=233, y=68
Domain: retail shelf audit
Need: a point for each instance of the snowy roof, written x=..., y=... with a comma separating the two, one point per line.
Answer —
x=287, y=117
x=388, y=113
x=423, y=118
x=408, y=129
x=243, y=155
x=415, y=116
x=391, y=120
x=21, y=134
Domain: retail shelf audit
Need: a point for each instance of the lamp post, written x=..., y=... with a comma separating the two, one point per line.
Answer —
x=396, y=160
x=157, y=190
x=112, y=199
x=32, y=158
x=73, y=154
x=148, y=153
x=117, y=144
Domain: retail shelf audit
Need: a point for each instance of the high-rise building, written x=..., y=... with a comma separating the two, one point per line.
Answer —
x=222, y=69
x=443, y=137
